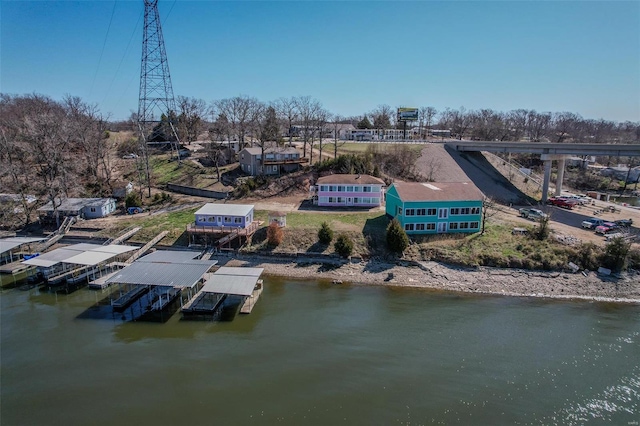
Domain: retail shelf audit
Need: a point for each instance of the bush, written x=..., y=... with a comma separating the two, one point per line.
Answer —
x=344, y=245
x=588, y=256
x=325, y=234
x=615, y=254
x=132, y=200
x=397, y=239
x=274, y=235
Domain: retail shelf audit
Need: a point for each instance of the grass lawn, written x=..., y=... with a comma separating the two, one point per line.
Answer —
x=360, y=148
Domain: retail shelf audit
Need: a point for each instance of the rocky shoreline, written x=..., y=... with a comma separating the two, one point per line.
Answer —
x=437, y=276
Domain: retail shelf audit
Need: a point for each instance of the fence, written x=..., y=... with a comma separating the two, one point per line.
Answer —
x=189, y=190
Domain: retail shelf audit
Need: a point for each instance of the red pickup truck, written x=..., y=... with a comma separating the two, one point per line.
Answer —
x=565, y=203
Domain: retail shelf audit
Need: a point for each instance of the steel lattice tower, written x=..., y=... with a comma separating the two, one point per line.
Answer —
x=156, y=93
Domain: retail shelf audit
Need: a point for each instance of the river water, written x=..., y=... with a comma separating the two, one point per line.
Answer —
x=313, y=353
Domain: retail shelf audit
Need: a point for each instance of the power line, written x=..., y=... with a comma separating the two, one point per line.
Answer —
x=106, y=36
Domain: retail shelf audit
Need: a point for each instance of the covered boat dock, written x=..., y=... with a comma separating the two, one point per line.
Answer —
x=74, y=265
x=12, y=252
x=225, y=283
x=152, y=287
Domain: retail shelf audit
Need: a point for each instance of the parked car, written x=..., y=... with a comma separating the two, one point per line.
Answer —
x=562, y=202
x=533, y=214
x=134, y=210
x=130, y=156
x=613, y=235
x=625, y=223
x=577, y=198
x=606, y=228
x=592, y=223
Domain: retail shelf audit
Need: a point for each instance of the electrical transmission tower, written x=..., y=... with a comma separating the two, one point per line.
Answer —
x=156, y=106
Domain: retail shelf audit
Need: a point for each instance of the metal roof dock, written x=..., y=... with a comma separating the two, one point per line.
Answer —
x=244, y=283
x=152, y=287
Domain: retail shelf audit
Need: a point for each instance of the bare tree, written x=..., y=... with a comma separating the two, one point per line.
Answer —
x=430, y=115
x=382, y=117
x=336, y=123
x=191, y=112
x=321, y=118
x=307, y=108
x=288, y=112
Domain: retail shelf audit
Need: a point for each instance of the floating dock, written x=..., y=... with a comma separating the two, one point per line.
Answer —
x=227, y=284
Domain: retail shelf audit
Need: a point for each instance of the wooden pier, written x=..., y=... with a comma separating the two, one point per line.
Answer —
x=251, y=301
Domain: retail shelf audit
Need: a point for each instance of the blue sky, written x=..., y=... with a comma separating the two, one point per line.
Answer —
x=582, y=57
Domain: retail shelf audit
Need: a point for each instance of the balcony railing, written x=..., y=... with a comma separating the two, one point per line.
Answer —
x=273, y=161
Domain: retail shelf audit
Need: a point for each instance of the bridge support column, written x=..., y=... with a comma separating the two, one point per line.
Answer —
x=560, y=177
x=545, y=182
x=548, y=158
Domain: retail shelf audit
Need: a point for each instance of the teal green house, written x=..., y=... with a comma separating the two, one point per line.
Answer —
x=435, y=208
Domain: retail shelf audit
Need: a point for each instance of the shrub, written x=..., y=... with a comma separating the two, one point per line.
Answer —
x=325, y=234
x=344, y=245
x=397, y=239
x=132, y=200
x=274, y=235
x=588, y=255
x=615, y=254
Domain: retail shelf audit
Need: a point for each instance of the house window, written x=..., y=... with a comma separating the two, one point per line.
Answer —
x=275, y=168
x=375, y=201
x=349, y=188
x=453, y=225
x=421, y=212
x=410, y=212
x=399, y=211
x=340, y=188
x=324, y=199
x=408, y=227
x=455, y=211
x=332, y=188
x=93, y=209
x=465, y=210
x=357, y=189
x=237, y=220
x=242, y=156
x=464, y=225
x=340, y=200
x=431, y=226
x=431, y=212
x=474, y=225
x=475, y=210
x=366, y=189
x=356, y=200
x=443, y=213
x=324, y=188
x=227, y=219
x=419, y=226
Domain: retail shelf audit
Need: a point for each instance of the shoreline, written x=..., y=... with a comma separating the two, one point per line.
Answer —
x=437, y=276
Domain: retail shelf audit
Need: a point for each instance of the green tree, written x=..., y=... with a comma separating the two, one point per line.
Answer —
x=325, y=234
x=132, y=200
x=344, y=245
x=364, y=123
x=541, y=232
x=615, y=254
x=397, y=239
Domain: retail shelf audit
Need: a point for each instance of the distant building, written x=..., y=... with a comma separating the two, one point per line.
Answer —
x=622, y=173
x=430, y=208
x=275, y=162
x=85, y=208
x=349, y=190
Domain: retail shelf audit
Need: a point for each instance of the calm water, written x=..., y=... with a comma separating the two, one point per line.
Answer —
x=322, y=354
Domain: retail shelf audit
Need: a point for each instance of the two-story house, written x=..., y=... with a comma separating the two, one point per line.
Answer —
x=349, y=190
x=273, y=161
x=426, y=208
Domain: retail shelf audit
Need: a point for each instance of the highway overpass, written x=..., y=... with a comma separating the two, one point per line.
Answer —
x=549, y=152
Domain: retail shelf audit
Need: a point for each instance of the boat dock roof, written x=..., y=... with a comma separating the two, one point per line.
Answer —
x=79, y=254
x=234, y=281
x=164, y=268
x=8, y=244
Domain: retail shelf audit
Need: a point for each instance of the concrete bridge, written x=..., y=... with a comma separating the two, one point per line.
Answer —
x=549, y=152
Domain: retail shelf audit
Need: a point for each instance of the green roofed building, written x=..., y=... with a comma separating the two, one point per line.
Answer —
x=430, y=208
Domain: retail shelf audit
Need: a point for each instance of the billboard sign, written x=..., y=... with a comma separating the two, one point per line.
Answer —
x=407, y=114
